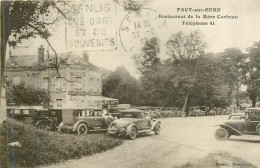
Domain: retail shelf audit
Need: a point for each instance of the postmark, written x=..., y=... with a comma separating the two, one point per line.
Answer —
x=137, y=27
x=93, y=27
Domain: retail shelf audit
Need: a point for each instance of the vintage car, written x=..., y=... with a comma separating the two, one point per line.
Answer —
x=236, y=116
x=212, y=112
x=249, y=125
x=205, y=110
x=195, y=111
x=35, y=115
x=133, y=122
x=90, y=121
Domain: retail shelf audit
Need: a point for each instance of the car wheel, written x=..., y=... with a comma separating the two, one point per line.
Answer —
x=258, y=129
x=157, y=129
x=82, y=128
x=42, y=125
x=133, y=133
x=108, y=120
x=49, y=126
x=221, y=134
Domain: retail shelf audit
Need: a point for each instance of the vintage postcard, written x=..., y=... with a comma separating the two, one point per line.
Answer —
x=130, y=83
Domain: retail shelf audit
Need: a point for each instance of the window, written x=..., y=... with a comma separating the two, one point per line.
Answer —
x=58, y=84
x=59, y=102
x=78, y=84
x=45, y=83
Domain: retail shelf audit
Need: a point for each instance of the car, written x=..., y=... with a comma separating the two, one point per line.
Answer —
x=35, y=115
x=205, y=110
x=248, y=125
x=212, y=112
x=195, y=111
x=236, y=116
x=91, y=121
x=133, y=122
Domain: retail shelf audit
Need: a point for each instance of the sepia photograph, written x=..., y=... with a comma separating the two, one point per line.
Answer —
x=130, y=84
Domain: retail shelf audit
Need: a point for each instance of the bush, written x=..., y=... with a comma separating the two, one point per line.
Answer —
x=42, y=147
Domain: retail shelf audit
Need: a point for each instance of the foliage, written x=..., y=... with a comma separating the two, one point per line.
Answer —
x=22, y=95
x=121, y=85
x=41, y=147
x=31, y=18
x=252, y=73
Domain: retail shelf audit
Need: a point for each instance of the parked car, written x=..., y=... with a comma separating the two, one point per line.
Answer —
x=212, y=112
x=195, y=111
x=133, y=122
x=91, y=121
x=35, y=115
x=236, y=116
x=205, y=110
x=249, y=125
x=177, y=112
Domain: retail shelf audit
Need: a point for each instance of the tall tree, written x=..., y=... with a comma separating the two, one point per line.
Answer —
x=186, y=50
x=233, y=62
x=121, y=85
x=252, y=73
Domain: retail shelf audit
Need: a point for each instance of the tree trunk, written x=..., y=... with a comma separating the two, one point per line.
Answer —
x=185, y=103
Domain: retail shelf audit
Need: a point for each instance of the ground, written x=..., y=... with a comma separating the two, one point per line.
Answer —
x=183, y=142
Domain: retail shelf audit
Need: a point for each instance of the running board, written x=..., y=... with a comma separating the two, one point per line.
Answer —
x=95, y=130
x=144, y=131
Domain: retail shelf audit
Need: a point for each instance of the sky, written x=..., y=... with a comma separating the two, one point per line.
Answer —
x=225, y=33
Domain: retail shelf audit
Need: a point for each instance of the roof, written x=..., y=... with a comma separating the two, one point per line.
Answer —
x=25, y=61
x=132, y=111
x=253, y=109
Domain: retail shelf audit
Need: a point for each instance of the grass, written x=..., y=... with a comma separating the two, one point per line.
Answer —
x=221, y=159
x=40, y=147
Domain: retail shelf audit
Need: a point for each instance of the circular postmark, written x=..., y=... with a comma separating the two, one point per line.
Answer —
x=137, y=27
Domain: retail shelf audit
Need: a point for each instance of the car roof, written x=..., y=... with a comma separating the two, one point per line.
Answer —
x=253, y=109
x=132, y=111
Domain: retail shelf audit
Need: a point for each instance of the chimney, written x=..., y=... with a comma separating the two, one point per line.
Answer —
x=41, y=54
x=85, y=56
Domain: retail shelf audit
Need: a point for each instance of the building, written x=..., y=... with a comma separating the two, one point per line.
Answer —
x=77, y=85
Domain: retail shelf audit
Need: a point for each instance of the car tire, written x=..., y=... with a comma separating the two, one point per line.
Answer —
x=157, y=129
x=133, y=133
x=82, y=129
x=42, y=125
x=221, y=134
x=49, y=125
x=108, y=121
x=258, y=129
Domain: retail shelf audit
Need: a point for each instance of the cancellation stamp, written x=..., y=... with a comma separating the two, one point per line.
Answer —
x=137, y=27
x=92, y=29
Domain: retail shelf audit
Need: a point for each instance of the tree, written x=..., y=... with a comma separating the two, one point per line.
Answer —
x=150, y=66
x=121, y=85
x=233, y=62
x=185, y=51
x=21, y=95
x=252, y=73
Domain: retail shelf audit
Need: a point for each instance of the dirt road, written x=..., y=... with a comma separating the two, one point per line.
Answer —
x=183, y=141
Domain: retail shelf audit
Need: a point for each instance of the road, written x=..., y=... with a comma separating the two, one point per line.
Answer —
x=182, y=141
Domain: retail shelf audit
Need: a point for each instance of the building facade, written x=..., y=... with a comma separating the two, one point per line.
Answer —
x=78, y=83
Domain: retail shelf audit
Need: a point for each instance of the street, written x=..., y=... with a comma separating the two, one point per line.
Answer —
x=182, y=141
